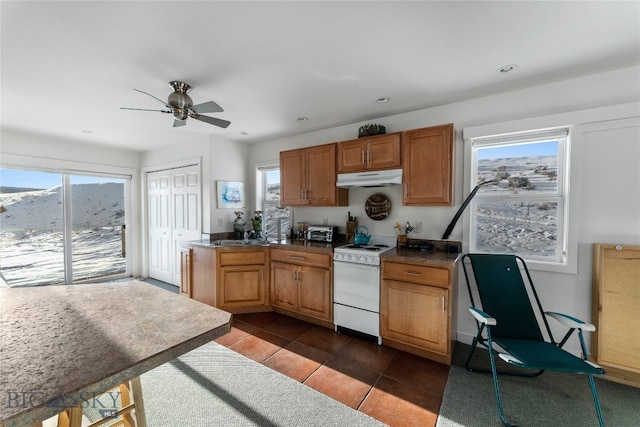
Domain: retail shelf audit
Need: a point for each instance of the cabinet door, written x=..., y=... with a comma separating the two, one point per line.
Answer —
x=242, y=285
x=293, y=177
x=616, y=298
x=383, y=152
x=284, y=285
x=186, y=273
x=321, y=175
x=314, y=292
x=203, y=285
x=428, y=166
x=415, y=315
x=352, y=156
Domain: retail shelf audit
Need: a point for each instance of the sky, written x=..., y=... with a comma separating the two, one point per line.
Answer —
x=44, y=180
x=549, y=148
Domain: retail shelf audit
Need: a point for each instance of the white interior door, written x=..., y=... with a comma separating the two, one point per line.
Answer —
x=186, y=211
x=174, y=214
x=160, y=241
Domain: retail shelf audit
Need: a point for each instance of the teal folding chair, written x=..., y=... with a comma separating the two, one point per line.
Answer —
x=509, y=314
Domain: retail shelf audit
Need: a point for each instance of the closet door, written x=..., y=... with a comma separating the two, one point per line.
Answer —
x=160, y=241
x=175, y=214
x=186, y=212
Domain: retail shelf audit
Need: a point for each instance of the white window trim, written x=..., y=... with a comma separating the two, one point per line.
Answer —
x=561, y=195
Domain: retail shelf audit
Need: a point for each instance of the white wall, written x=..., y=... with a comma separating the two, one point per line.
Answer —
x=220, y=159
x=603, y=214
x=27, y=150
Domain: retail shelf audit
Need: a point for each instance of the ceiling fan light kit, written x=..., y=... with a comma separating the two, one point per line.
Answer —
x=181, y=106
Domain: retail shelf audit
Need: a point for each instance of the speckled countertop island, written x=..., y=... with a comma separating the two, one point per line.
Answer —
x=79, y=340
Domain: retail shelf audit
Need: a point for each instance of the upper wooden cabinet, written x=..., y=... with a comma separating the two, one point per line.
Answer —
x=374, y=153
x=428, y=166
x=308, y=177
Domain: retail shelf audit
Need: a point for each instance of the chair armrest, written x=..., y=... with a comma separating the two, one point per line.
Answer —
x=482, y=317
x=570, y=321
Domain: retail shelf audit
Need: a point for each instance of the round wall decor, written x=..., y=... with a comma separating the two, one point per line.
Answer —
x=377, y=206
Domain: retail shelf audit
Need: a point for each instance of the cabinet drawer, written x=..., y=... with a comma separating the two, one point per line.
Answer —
x=416, y=274
x=242, y=257
x=302, y=258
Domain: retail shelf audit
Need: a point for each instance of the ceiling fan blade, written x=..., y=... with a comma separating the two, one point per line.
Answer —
x=211, y=120
x=144, y=109
x=158, y=99
x=178, y=123
x=207, y=107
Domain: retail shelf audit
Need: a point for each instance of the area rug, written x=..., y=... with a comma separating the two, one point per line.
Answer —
x=552, y=399
x=215, y=386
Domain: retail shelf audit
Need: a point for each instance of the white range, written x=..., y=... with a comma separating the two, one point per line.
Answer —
x=356, y=286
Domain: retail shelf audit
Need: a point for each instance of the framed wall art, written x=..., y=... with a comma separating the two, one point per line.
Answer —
x=230, y=194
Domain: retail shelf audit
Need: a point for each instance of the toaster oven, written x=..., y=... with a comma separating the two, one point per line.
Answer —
x=322, y=233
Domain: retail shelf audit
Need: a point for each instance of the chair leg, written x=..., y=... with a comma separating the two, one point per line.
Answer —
x=496, y=386
x=596, y=400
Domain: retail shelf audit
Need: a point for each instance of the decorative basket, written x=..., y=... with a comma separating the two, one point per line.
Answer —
x=371, y=130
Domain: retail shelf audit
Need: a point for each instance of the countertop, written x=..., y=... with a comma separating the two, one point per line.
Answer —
x=433, y=257
x=66, y=342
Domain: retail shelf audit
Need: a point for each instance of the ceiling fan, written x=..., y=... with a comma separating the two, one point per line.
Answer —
x=181, y=106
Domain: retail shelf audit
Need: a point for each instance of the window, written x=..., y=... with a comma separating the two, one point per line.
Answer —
x=521, y=207
x=59, y=227
x=269, y=199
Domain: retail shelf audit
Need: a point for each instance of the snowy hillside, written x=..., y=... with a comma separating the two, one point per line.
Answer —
x=31, y=239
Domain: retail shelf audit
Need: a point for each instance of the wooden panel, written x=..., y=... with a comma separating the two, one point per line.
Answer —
x=351, y=156
x=242, y=256
x=241, y=286
x=416, y=273
x=302, y=257
x=204, y=279
x=616, y=310
x=293, y=177
x=186, y=271
x=416, y=315
x=321, y=175
x=428, y=166
x=384, y=152
x=284, y=286
x=315, y=298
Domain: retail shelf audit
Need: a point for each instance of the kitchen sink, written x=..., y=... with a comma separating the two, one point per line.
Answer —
x=239, y=243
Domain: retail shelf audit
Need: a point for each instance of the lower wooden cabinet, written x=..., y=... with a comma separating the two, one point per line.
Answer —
x=232, y=279
x=616, y=311
x=241, y=279
x=301, y=283
x=416, y=308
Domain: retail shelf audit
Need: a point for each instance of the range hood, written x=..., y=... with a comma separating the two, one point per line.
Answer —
x=381, y=178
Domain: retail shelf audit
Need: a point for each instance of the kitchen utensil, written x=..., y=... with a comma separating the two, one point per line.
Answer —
x=361, y=238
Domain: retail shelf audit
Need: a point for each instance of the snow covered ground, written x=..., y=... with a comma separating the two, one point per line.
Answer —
x=529, y=226
x=31, y=234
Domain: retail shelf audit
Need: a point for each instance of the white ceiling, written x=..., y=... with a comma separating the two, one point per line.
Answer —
x=70, y=66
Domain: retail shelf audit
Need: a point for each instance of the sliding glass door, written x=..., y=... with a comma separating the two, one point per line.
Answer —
x=60, y=228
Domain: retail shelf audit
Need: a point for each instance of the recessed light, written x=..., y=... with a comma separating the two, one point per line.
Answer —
x=507, y=68
x=382, y=100
x=303, y=119
x=87, y=131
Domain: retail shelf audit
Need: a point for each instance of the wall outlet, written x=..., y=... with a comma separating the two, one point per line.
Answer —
x=219, y=222
x=417, y=227
x=325, y=221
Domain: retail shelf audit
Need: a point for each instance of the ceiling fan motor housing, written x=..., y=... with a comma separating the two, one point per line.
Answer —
x=179, y=100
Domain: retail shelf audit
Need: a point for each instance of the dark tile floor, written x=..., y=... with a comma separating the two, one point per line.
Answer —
x=395, y=387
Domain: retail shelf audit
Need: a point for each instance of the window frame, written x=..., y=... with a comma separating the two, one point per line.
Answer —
x=262, y=202
x=563, y=261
